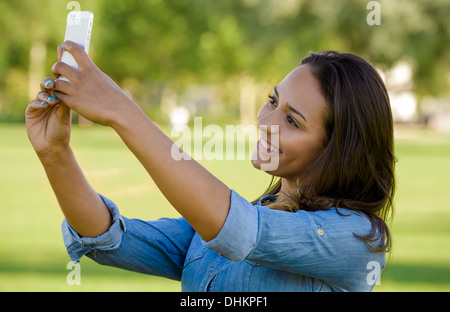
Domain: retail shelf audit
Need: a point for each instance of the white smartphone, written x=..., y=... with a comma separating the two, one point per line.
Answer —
x=78, y=30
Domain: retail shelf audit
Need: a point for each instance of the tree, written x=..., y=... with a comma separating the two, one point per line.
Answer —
x=155, y=47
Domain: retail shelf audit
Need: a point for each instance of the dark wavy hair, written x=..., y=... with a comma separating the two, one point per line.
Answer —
x=356, y=168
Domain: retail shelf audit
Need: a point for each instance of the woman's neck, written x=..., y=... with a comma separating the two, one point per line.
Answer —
x=287, y=188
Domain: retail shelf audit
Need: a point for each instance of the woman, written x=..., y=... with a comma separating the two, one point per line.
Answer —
x=321, y=227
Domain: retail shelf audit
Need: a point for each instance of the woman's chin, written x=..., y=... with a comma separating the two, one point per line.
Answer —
x=256, y=164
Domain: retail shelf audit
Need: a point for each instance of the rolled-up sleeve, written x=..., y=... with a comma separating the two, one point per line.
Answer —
x=237, y=238
x=156, y=247
x=78, y=246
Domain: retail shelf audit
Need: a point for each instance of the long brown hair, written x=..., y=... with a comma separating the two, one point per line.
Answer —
x=356, y=168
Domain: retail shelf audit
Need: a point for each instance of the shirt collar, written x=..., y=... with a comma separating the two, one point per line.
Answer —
x=266, y=199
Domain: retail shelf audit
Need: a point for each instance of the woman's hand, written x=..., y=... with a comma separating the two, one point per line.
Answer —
x=89, y=91
x=48, y=121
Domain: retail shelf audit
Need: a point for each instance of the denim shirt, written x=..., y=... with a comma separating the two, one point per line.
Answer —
x=257, y=249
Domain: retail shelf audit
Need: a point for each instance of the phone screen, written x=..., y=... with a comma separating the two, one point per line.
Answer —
x=78, y=30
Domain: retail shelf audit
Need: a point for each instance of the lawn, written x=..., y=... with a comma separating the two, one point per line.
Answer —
x=33, y=257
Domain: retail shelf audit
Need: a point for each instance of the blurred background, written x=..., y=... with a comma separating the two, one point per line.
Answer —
x=219, y=59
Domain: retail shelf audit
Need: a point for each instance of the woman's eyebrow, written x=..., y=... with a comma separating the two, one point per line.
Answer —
x=289, y=106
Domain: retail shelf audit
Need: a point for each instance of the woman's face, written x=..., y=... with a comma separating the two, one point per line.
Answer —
x=294, y=119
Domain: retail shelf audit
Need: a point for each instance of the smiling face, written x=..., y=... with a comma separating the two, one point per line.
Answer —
x=297, y=109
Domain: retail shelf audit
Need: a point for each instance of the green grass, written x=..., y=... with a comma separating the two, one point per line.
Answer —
x=33, y=257
x=420, y=260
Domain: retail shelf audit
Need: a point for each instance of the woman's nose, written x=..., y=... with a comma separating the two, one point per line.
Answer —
x=269, y=127
x=268, y=119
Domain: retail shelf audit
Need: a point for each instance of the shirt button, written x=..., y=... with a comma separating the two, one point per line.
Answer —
x=320, y=231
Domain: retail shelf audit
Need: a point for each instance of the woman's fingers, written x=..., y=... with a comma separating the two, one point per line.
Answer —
x=45, y=98
x=62, y=69
x=35, y=104
x=78, y=54
x=47, y=84
x=62, y=86
x=60, y=52
x=52, y=87
x=35, y=109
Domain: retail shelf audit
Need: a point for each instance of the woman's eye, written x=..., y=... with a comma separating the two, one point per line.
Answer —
x=272, y=100
x=291, y=121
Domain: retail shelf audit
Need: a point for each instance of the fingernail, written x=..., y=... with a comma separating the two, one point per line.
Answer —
x=51, y=99
x=43, y=102
x=48, y=83
x=54, y=92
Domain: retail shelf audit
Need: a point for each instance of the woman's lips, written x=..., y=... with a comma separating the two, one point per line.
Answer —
x=267, y=148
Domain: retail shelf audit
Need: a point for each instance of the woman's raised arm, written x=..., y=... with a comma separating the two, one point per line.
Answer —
x=48, y=127
x=194, y=192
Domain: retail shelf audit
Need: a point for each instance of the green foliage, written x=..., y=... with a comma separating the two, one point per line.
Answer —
x=151, y=46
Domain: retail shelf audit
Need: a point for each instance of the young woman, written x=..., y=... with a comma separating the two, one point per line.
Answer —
x=321, y=227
